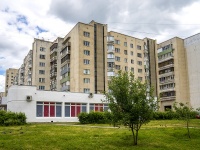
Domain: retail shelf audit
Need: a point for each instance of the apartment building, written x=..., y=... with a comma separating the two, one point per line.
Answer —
x=83, y=58
x=55, y=65
x=172, y=73
x=192, y=45
x=10, y=75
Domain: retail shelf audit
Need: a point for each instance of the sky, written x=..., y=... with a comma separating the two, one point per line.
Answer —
x=23, y=20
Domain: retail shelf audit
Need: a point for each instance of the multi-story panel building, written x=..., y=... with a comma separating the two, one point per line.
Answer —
x=172, y=73
x=192, y=45
x=55, y=65
x=10, y=75
x=40, y=67
x=83, y=60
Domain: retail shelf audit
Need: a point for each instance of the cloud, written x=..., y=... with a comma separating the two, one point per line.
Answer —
x=2, y=83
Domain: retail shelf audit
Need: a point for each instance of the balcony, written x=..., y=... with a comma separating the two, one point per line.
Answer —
x=65, y=79
x=29, y=79
x=110, y=59
x=111, y=69
x=54, y=66
x=167, y=89
x=53, y=74
x=65, y=71
x=65, y=88
x=168, y=98
x=165, y=67
x=167, y=81
x=30, y=66
x=110, y=39
x=54, y=58
x=166, y=74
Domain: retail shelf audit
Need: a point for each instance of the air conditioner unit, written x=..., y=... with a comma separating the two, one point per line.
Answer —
x=28, y=98
x=90, y=95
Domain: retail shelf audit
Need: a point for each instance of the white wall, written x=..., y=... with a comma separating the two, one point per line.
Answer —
x=17, y=102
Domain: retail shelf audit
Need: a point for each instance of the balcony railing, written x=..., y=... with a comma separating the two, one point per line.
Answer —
x=65, y=79
x=167, y=81
x=53, y=58
x=166, y=74
x=65, y=71
x=167, y=89
x=110, y=59
x=168, y=98
x=165, y=59
x=111, y=69
x=167, y=66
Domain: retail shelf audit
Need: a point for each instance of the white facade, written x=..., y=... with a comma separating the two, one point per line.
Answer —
x=192, y=45
x=17, y=102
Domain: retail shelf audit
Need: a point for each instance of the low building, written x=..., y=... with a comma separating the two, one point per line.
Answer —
x=52, y=106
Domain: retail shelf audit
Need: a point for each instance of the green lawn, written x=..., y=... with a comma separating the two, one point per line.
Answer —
x=170, y=134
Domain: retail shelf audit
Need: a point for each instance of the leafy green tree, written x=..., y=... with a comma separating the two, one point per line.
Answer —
x=130, y=102
x=185, y=113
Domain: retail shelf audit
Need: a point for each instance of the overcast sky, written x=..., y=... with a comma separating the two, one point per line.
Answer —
x=22, y=20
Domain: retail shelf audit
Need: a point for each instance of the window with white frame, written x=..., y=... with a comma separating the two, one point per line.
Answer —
x=110, y=55
x=86, y=61
x=42, y=64
x=86, y=34
x=139, y=55
x=86, y=80
x=74, y=109
x=126, y=68
x=86, y=90
x=117, y=50
x=117, y=58
x=41, y=87
x=139, y=70
x=86, y=43
x=139, y=63
x=132, y=70
x=48, y=109
x=42, y=49
x=125, y=52
x=139, y=47
x=125, y=44
x=125, y=60
x=42, y=80
x=131, y=53
x=98, y=107
x=86, y=71
x=117, y=41
x=41, y=71
x=87, y=52
x=131, y=45
x=117, y=67
x=42, y=56
x=132, y=61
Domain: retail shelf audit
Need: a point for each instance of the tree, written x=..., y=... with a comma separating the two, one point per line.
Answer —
x=130, y=101
x=185, y=113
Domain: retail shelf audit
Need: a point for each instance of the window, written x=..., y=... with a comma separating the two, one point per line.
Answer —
x=86, y=80
x=86, y=71
x=117, y=67
x=110, y=55
x=117, y=50
x=42, y=56
x=125, y=60
x=41, y=87
x=125, y=52
x=139, y=63
x=132, y=53
x=86, y=34
x=86, y=43
x=110, y=47
x=125, y=44
x=140, y=78
x=74, y=109
x=99, y=107
x=117, y=58
x=48, y=109
x=41, y=71
x=126, y=68
x=131, y=45
x=42, y=49
x=42, y=64
x=41, y=79
x=132, y=61
x=117, y=41
x=86, y=61
x=139, y=70
x=86, y=90
x=87, y=52
x=138, y=47
x=132, y=70
x=139, y=55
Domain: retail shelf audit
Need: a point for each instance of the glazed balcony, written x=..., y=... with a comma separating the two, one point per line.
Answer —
x=65, y=79
x=168, y=98
x=166, y=67
x=65, y=71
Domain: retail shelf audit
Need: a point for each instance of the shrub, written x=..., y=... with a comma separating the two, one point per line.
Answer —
x=11, y=118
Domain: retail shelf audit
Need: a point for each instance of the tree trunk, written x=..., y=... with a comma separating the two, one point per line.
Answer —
x=135, y=136
x=188, y=129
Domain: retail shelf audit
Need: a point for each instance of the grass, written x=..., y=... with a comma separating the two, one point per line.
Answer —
x=166, y=135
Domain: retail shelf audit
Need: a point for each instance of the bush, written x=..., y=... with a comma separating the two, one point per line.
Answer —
x=11, y=118
x=95, y=117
